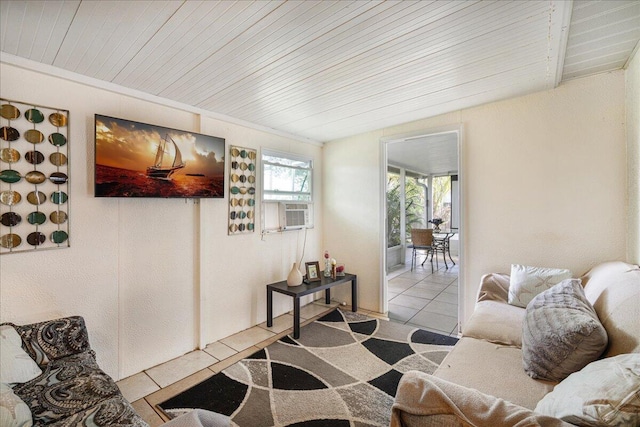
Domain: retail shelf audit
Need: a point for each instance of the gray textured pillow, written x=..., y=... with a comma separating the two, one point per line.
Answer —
x=561, y=332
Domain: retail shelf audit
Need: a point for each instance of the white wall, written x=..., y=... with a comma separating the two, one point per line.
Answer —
x=352, y=188
x=544, y=176
x=137, y=268
x=633, y=157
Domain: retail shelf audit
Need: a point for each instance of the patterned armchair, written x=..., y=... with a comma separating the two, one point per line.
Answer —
x=72, y=390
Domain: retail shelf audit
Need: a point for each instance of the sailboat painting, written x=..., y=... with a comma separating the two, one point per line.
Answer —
x=134, y=159
x=161, y=170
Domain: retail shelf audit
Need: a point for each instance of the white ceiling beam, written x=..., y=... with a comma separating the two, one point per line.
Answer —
x=558, y=39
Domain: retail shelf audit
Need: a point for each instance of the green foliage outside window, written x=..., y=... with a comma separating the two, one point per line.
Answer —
x=414, y=207
x=286, y=178
x=442, y=200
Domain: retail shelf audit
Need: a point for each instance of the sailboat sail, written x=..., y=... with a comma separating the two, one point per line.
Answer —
x=164, y=172
x=159, y=154
x=178, y=159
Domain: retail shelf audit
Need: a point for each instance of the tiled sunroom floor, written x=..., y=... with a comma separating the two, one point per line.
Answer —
x=425, y=299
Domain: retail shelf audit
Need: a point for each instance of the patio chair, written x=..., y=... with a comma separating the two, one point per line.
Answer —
x=422, y=240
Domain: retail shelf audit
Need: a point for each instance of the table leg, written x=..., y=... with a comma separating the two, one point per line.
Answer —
x=444, y=254
x=327, y=296
x=296, y=318
x=269, y=308
x=449, y=250
x=354, y=294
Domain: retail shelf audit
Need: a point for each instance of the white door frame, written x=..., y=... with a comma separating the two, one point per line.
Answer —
x=459, y=130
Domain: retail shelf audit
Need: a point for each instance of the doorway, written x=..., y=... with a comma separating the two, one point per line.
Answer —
x=422, y=186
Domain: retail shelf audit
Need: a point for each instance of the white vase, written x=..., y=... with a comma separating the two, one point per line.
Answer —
x=295, y=277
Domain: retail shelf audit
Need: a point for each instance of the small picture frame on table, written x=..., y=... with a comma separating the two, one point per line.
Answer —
x=313, y=271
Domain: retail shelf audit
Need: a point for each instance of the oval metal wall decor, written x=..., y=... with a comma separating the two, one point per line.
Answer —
x=58, y=119
x=34, y=157
x=58, y=159
x=57, y=139
x=242, y=171
x=38, y=172
x=34, y=115
x=10, y=219
x=10, y=198
x=36, y=218
x=9, y=112
x=10, y=241
x=34, y=136
x=10, y=176
x=9, y=134
x=59, y=197
x=35, y=177
x=36, y=238
x=58, y=178
x=36, y=197
x=59, y=236
x=58, y=217
x=9, y=155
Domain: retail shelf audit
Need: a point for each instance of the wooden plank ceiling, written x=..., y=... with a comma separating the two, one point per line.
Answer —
x=324, y=70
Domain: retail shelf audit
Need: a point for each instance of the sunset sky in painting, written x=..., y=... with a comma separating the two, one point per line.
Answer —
x=131, y=145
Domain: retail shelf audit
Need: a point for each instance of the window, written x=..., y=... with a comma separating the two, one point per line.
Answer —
x=286, y=177
x=442, y=199
x=415, y=201
x=394, y=209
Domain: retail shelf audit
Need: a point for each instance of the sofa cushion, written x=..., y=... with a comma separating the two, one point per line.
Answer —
x=613, y=288
x=496, y=322
x=561, y=332
x=13, y=411
x=67, y=386
x=605, y=393
x=53, y=339
x=525, y=282
x=493, y=369
x=494, y=287
x=424, y=400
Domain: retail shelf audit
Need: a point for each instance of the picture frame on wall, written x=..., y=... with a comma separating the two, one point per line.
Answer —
x=313, y=271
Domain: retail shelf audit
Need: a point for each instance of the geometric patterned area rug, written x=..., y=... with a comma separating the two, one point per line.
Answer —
x=343, y=371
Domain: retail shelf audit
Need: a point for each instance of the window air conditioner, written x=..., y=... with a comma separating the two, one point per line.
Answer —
x=294, y=216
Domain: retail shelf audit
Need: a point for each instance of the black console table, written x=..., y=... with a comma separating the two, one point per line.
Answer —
x=309, y=288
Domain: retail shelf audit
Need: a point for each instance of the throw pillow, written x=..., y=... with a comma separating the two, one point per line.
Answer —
x=561, y=332
x=13, y=411
x=526, y=282
x=604, y=393
x=15, y=364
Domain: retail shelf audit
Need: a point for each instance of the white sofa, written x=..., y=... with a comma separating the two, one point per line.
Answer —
x=482, y=380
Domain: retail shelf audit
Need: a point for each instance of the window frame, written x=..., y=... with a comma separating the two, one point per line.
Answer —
x=287, y=156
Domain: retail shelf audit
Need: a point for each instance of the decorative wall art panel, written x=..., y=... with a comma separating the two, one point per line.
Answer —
x=34, y=177
x=242, y=190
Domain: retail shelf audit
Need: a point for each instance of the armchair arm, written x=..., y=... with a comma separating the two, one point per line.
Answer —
x=423, y=400
x=494, y=287
x=53, y=339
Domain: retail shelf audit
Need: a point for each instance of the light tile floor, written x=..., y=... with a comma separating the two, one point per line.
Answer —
x=425, y=299
x=153, y=386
